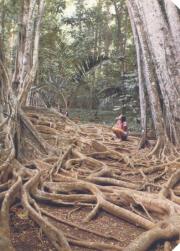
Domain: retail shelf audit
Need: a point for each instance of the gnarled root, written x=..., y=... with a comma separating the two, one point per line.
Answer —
x=163, y=231
x=72, y=166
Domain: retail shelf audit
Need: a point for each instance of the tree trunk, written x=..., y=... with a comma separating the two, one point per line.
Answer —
x=23, y=19
x=143, y=105
x=160, y=68
x=11, y=101
x=174, y=25
x=164, y=60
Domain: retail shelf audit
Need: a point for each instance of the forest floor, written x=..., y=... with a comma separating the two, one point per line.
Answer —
x=124, y=162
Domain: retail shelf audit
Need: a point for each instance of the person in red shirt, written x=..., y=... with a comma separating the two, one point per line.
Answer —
x=120, y=129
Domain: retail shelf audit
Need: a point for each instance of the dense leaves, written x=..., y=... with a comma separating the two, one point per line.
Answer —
x=80, y=31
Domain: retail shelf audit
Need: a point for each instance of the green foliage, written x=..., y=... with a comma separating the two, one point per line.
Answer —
x=87, y=30
x=73, y=32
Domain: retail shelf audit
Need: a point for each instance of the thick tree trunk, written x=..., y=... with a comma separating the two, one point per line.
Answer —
x=148, y=72
x=12, y=97
x=160, y=67
x=25, y=71
x=164, y=60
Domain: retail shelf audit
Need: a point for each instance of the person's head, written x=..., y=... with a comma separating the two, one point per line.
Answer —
x=123, y=118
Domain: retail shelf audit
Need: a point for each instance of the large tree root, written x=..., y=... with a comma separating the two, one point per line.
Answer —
x=163, y=231
x=69, y=166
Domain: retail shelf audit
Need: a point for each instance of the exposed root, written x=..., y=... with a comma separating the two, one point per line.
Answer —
x=55, y=235
x=73, y=166
x=162, y=231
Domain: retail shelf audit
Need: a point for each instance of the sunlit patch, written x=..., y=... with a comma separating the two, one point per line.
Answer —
x=177, y=248
x=177, y=3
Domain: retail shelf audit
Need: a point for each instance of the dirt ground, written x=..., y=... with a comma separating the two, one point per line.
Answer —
x=26, y=235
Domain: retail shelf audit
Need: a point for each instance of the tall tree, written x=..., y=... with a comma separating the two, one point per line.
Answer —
x=12, y=98
x=160, y=69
